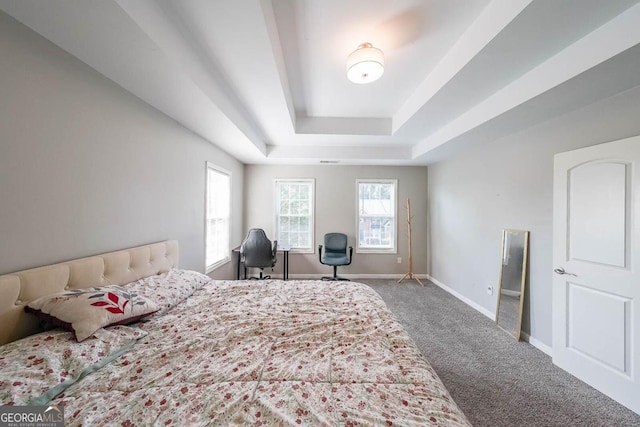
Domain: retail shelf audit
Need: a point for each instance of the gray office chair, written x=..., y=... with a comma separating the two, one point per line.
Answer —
x=335, y=253
x=258, y=251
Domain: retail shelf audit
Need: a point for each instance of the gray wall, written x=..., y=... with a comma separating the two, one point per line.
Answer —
x=509, y=184
x=85, y=167
x=335, y=210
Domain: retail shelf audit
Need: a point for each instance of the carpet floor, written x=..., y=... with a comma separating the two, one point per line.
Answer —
x=495, y=380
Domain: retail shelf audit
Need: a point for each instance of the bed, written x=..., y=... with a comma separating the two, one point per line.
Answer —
x=216, y=352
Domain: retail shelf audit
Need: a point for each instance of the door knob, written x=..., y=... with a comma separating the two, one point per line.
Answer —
x=561, y=271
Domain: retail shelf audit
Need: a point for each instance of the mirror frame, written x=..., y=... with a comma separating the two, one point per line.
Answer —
x=525, y=257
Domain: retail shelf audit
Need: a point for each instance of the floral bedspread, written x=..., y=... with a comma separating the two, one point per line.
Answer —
x=268, y=353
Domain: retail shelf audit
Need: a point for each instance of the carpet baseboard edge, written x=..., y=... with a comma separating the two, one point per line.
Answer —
x=355, y=276
x=526, y=337
x=462, y=298
x=537, y=344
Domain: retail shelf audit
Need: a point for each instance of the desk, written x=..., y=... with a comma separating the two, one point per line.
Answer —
x=285, y=257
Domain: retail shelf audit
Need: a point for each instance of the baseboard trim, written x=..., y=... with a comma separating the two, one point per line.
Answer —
x=526, y=337
x=537, y=344
x=356, y=276
x=462, y=298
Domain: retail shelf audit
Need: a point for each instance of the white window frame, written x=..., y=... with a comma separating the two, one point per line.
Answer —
x=217, y=263
x=360, y=249
x=276, y=207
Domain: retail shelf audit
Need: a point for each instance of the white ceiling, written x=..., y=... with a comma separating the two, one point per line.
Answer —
x=265, y=79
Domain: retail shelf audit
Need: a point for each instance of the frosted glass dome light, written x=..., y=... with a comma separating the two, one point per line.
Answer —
x=365, y=64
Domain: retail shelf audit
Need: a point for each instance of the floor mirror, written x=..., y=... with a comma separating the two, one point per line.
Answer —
x=513, y=273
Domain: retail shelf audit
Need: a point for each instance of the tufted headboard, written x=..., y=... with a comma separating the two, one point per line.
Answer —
x=113, y=268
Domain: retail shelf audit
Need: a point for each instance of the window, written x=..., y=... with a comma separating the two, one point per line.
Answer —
x=294, y=213
x=218, y=201
x=377, y=215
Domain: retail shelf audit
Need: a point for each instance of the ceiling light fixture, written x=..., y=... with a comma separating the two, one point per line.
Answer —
x=365, y=64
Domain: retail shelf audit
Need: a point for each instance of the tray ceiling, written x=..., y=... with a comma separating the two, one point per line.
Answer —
x=266, y=80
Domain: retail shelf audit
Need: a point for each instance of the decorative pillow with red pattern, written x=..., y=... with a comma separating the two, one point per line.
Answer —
x=84, y=311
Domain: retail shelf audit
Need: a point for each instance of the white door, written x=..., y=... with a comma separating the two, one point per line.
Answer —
x=596, y=256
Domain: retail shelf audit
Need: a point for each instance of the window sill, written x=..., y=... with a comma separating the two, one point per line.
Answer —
x=217, y=265
x=377, y=251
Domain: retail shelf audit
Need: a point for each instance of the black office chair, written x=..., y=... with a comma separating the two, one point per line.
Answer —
x=335, y=253
x=258, y=251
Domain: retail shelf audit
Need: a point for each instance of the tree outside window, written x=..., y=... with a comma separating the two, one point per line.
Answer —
x=377, y=215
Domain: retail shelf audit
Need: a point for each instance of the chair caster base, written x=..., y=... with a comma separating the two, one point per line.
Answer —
x=335, y=279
